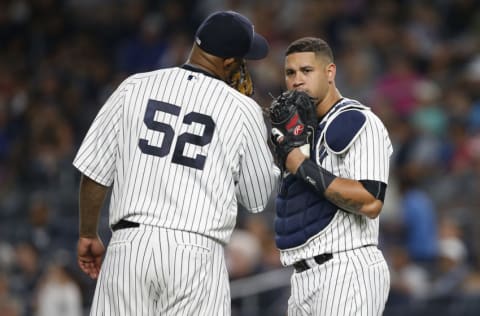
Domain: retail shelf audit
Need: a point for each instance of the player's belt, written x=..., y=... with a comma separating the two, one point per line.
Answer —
x=306, y=264
x=123, y=223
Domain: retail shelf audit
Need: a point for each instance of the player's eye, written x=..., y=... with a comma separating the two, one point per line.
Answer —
x=289, y=73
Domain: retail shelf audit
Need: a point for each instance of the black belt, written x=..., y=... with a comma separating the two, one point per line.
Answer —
x=123, y=223
x=302, y=265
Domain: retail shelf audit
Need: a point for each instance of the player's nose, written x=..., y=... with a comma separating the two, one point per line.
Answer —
x=294, y=81
x=297, y=81
x=298, y=84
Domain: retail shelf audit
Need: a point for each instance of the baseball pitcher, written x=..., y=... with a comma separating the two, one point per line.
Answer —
x=179, y=147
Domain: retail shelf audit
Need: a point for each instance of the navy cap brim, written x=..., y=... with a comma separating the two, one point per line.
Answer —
x=258, y=49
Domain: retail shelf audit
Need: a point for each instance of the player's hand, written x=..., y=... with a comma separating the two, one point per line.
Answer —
x=90, y=254
x=294, y=121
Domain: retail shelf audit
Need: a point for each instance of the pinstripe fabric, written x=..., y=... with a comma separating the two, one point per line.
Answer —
x=181, y=149
x=367, y=159
x=153, y=190
x=354, y=282
x=157, y=271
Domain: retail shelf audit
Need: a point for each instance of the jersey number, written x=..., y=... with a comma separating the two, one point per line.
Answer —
x=161, y=151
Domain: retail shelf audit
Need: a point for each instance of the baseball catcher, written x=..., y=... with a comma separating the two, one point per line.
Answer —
x=294, y=122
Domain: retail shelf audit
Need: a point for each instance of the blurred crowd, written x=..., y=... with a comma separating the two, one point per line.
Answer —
x=415, y=63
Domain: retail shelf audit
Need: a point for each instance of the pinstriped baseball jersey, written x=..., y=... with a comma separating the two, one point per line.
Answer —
x=367, y=158
x=181, y=149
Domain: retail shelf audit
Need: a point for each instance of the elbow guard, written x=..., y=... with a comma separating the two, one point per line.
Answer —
x=315, y=176
x=376, y=188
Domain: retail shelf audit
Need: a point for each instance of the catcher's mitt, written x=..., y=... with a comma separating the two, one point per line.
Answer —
x=294, y=120
x=242, y=81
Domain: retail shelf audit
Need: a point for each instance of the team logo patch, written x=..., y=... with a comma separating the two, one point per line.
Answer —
x=298, y=130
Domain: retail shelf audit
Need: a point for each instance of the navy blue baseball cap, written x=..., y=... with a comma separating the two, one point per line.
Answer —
x=229, y=34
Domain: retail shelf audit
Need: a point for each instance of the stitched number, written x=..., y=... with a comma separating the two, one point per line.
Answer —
x=199, y=161
x=149, y=120
x=185, y=138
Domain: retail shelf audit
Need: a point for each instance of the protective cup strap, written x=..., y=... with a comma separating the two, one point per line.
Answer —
x=315, y=176
x=376, y=188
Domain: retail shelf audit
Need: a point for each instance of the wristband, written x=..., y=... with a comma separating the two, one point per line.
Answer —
x=315, y=176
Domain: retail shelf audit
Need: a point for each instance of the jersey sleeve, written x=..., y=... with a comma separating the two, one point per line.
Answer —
x=97, y=154
x=368, y=157
x=258, y=174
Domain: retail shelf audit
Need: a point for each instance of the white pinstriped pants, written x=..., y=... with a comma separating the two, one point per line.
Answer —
x=354, y=282
x=156, y=271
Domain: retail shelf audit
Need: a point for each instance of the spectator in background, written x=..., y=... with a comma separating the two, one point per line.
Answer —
x=57, y=293
x=471, y=284
x=242, y=254
x=5, y=133
x=37, y=230
x=262, y=231
x=409, y=281
x=419, y=220
x=429, y=117
x=356, y=77
x=49, y=147
x=144, y=51
x=9, y=305
x=459, y=107
x=26, y=274
x=416, y=154
x=452, y=269
x=6, y=256
x=396, y=86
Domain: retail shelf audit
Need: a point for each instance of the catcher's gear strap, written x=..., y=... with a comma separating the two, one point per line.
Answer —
x=342, y=130
x=376, y=188
x=315, y=176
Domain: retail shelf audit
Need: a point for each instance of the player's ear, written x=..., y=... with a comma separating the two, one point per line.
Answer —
x=228, y=63
x=331, y=71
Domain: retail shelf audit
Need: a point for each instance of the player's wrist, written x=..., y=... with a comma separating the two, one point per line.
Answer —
x=294, y=159
x=87, y=234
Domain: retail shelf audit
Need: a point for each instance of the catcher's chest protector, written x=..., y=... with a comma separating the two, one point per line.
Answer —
x=302, y=213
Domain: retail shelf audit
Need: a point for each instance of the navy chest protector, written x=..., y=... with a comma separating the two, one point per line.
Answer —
x=301, y=213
